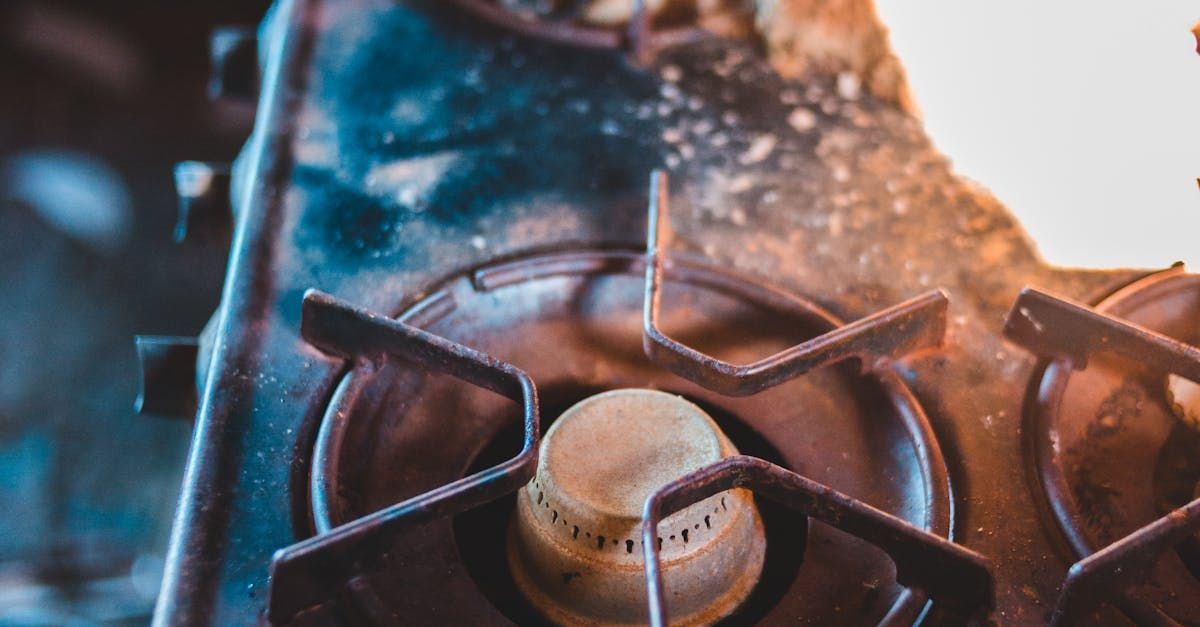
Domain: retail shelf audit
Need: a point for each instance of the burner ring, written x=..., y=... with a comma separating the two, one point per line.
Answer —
x=874, y=419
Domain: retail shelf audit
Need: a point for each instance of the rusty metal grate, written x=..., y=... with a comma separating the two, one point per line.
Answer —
x=312, y=571
x=951, y=574
x=912, y=325
x=1056, y=328
x=303, y=575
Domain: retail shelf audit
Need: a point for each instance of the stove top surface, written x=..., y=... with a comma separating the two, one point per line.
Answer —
x=489, y=190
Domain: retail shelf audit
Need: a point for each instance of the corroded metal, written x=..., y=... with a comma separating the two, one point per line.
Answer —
x=555, y=304
x=956, y=577
x=876, y=340
x=312, y=570
x=1109, y=573
x=1054, y=327
x=1118, y=553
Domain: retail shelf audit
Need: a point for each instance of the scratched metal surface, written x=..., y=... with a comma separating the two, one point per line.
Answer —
x=398, y=143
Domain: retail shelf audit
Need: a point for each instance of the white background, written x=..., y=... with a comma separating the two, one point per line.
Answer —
x=1083, y=117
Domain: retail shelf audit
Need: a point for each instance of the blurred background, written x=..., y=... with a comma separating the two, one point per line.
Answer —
x=97, y=102
x=1080, y=117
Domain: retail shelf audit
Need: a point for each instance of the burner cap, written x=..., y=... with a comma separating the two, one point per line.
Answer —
x=575, y=547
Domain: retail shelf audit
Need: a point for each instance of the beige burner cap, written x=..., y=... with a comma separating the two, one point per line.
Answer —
x=612, y=451
x=1184, y=398
x=575, y=547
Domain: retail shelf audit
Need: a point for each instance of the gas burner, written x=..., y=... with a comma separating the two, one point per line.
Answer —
x=575, y=546
x=397, y=526
x=1117, y=465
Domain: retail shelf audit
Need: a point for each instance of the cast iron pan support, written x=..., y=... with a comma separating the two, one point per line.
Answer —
x=1056, y=328
x=1121, y=565
x=308, y=573
x=876, y=340
x=956, y=578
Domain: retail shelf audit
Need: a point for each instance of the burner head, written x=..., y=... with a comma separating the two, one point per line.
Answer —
x=575, y=547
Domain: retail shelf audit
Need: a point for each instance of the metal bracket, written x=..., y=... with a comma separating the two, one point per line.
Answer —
x=311, y=571
x=202, y=188
x=951, y=574
x=167, y=381
x=876, y=340
x=233, y=53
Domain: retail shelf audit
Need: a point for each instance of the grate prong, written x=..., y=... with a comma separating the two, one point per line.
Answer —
x=954, y=576
x=309, y=572
x=915, y=324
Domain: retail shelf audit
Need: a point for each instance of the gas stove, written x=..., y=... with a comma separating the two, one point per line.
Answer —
x=529, y=322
